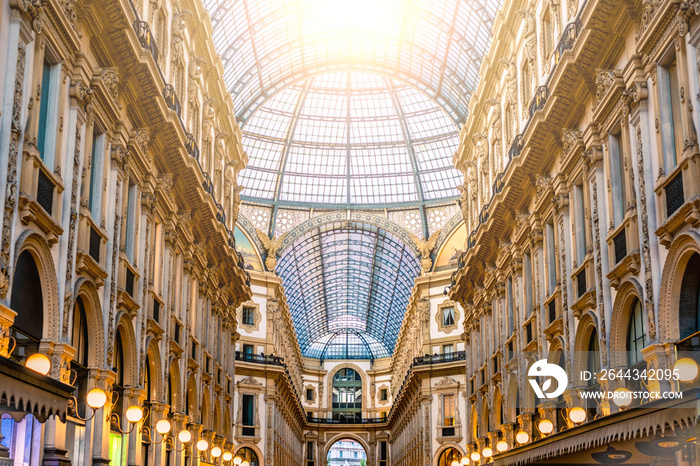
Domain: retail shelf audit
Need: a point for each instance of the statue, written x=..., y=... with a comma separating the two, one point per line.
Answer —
x=271, y=245
x=425, y=247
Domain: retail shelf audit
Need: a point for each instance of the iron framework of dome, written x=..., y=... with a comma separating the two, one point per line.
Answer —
x=347, y=286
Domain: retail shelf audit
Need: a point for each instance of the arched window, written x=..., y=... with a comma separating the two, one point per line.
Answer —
x=116, y=438
x=27, y=301
x=636, y=334
x=249, y=455
x=79, y=341
x=593, y=366
x=347, y=394
x=448, y=456
x=689, y=303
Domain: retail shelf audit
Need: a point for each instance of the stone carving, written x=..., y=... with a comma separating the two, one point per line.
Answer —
x=463, y=201
x=142, y=138
x=603, y=81
x=511, y=79
x=165, y=184
x=11, y=192
x=178, y=35
x=543, y=184
x=271, y=245
x=649, y=10
x=110, y=78
x=571, y=7
x=69, y=9
x=569, y=138
x=425, y=247
x=82, y=93
x=599, y=275
x=529, y=34
x=35, y=10
x=522, y=221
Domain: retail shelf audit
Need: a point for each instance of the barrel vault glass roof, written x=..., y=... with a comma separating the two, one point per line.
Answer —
x=434, y=45
x=350, y=138
x=347, y=286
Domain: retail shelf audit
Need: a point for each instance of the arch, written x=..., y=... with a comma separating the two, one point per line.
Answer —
x=485, y=426
x=680, y=252
x=87, y=290
x=443, y=448
x=154, y=366
x=512, y=398
x=191, y=398
x=556, y=347
x=356, y=368
x=37, y=246
x=174, y=386
x=126, y=329
x=346, y=436
x=216, y=425
x=341, y=216
x=252, y=446
x=629, y=291
x=205, y=410
x=586, y=326
x=499, y=416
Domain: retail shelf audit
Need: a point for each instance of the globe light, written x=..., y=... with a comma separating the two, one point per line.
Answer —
x=487, y=452
x=227, y=456
x=522, y=437
x=39, y=363
x=245, y=463
x=216, y=452
x=475, y=456
x=134, y=414
x=622, y=397
x=455, y=463
x=202, y=445
x=502, y=446
x=184, y=436
x=545, y=426
x=577, y=415
x=686, y=368
x=163, y=426
x=465, y=461
x=96, y=398
x=237, y=460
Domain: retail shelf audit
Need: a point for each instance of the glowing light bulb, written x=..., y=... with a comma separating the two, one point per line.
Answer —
x=134, y=414
x=502, y=446
x=487, y=452
x=216, y=452
x=622, y=397
x=545, y=426
x=475, y=456
x=96, y=398
x=227, y=456
x=522, y=437
x=184, y=436
x=163, y=426
x=577, y=415
x=245, y=463
x=686, y=368
x=39, y=363
x=237, y=460
x=455, y=463
x=465, y=461
x=202, y=445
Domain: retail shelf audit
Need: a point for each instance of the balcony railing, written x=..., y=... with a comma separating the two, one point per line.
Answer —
x=259, y=358
x=171, y=99
x=674, y=194
x=207, y=184
x=44, y=192
x=143, y=32
x=620, y=243
x=346, y=420
x=568, y=38
x=539, y=99
x=498, y=184
x=220, y=214
x=95, y=243
x=429, y=359
x=516, y=147
x=191, y=146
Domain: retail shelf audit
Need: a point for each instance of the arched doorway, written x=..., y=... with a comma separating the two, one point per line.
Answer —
x=346, y=452
x=347, y=395
x=249, y=455
x=448, y=456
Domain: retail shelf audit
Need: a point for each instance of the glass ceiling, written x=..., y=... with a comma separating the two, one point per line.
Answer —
x=435, y=45
x=349, y=138
x=347, y=286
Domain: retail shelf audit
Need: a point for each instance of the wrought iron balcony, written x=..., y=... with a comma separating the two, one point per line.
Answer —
x=516, y=147
x=191, y=146
x=207, y=183
x=260, y=359
x=429, y=359
x=220, y=214
x=539, y=99
x=171, y=99
x=568, y=39
x=346, y=420
x=143, y=32
x=498, y=184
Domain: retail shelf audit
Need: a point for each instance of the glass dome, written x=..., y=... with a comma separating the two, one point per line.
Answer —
x=347, y=139
x=347, y=286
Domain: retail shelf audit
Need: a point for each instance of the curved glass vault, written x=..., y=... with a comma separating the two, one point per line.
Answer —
x=342, y=139
x=434, y=45
x=347, y=286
